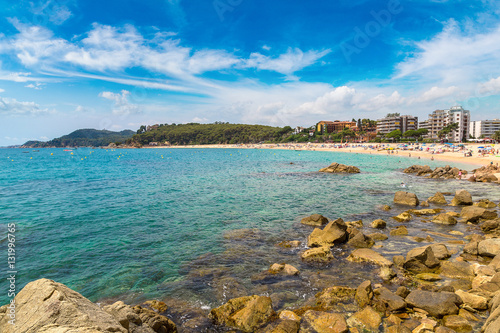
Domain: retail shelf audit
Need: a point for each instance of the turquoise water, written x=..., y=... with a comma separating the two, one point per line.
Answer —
x=139, y=224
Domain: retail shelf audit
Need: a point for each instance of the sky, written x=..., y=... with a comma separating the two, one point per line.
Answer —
x=71, y=64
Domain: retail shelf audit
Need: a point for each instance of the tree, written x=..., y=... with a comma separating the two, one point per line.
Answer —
x=496, y=136
x=396, y=114
x=141, y=129
x=410, y=134
x=396, y=134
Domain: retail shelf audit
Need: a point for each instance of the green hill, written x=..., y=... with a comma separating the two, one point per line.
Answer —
x=83, y=138
x=217, y=133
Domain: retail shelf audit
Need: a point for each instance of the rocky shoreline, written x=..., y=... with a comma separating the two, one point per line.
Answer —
x=450, y=282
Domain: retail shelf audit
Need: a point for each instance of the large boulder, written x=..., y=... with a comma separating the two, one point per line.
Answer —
x=392, y=301
x=340, y=168
x=462, y=198
x=444, y=218
x=406, y=198
x=323, y=322
x=364, y=294
x=438, y=198
x=457, y=270
x=436, y=304
x=333, y=233
x=246, y=313
x=492, y=324
x=366, y=320
x=48, y=306
x=360, y=240
x=489, y=247
x=315, y=220
x=474, y=214
x=421, y=260
x=474, y=301
x=368, y=255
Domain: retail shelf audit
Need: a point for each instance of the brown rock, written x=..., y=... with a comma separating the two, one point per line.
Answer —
x=406, y=198
x=485, y=203
x=421, y=260
x=474, y=301
x=318, y=255
x=364, y=294
x=289, y=244
x=333, y=233
x=377, y=236
x=462, y=198
x=391, y=300
x=438, y=198
x=379, y=224
x=399, y=231
x=315, y=220
x=328, y=297
x=457, y=270
x=457, y=323
x=489, y=247
x=403, y=217
x=368, y=255
x=436, y=304
x=323, y=322
x=246, y=313
x=340, y=168
x=361, y=241
x=366, y=319
x=473, y=214
x=444, y=218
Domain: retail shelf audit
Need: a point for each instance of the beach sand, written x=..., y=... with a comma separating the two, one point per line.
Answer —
x=476, y=160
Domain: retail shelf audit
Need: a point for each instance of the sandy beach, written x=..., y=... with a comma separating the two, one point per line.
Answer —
x=428, y=152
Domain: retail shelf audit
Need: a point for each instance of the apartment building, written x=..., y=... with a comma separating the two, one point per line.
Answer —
x=396, y=122
x=484, y=128
x=439, y=119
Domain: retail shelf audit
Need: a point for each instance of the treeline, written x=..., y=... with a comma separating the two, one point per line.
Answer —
x=216, y=133
x=83, y=138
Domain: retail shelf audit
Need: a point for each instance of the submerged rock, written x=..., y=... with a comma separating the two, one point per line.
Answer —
x=340, y=168
x=318, y=255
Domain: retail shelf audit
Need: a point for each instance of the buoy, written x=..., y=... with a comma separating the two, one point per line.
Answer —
x=51, y=153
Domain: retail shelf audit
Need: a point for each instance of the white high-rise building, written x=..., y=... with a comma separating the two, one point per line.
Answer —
x=484, y=128
x=439, y=119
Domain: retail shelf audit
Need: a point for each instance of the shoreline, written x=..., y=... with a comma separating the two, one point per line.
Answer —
x=476, y=159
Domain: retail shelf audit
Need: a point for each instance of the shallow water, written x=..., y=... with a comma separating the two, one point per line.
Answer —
x=157, y=223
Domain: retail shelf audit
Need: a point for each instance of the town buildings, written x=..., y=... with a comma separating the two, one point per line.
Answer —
x=394, y=121
x=484, y=128
x=439, y=119
x=333, y=126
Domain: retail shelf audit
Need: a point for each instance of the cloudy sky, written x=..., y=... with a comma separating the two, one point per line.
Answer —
x=70, y=64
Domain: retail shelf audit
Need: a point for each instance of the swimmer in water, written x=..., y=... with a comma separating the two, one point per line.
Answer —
x=403, y=184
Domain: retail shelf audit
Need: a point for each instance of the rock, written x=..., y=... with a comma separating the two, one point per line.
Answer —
x=333, y=233
x=444, y=218
x=440, y=251
x=157, y=305
x=495, y=263
x=485, y=203
x=364, y=294
x=489, y=247
x=282, y=326
x=428, y=277
x=428, y=211
x=318, y=255
x=379, y=224
x=368, y=255
x=457, y=270
x=436, y=304
x=387, y=273
x=442, y=329
x=323, y=322
x=421, y=260
x=354, y=224
x=289, y=244
x=47, y=306
x=246, y=313
x=398, y=260
x=420, y=170
x=44, y=305
x=457, y=323
x=315, y=220
x=462, y=198
x=366, y=319
x=377, y=236
x=288, y=315
x=361, y=241
x=399, y=231
x=329, y=297
x=283, y=269
x=490, y=226
x=403, y=217
x=473, y=214
x=405, y=198
x=474, y=301
x=386, y=207
x=438, y=198
x=391, y=300
x=424, y=204
x=402, y=291
x=492, y=324
x=340, y=168
x=398, y=329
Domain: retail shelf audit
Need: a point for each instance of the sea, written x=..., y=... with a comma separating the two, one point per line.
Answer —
x=139, y=224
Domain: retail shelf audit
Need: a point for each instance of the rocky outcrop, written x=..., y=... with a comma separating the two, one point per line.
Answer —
x=47, y=306
x=406, y=198
x=462, y=198
x=474, y=214
x=487, y=173
x=246, y=313
x=315, y=220
x=340, y=168
x=420, y=170
x=445, y=172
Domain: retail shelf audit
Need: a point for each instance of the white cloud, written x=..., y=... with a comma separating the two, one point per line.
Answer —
x=287, y=63
x=51, y=10
x=437, y=93
x=199, y=120
x=454, y=55
x=490, y=87
x=11, y=106
x=122, y=106
x=1, y=90
x=36, y=86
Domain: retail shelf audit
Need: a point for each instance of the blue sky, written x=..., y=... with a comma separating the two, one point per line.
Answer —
x=69, y=64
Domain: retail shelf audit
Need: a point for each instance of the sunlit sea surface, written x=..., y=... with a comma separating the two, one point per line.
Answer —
x=158, y=223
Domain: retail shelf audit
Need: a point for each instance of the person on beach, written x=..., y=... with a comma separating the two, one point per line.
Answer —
x=459, y=174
